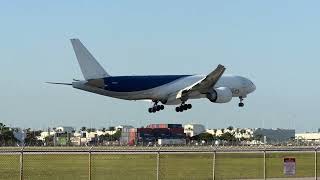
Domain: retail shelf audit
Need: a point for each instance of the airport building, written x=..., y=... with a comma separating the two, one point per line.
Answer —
x=275, y=136
x=239, y=133
x=194, y=129
x=272, y=136
x=308, y=137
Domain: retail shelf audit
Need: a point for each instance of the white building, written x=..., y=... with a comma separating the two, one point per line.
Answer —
x=272, y=135
x=64, y=129
x=239, y=133
x=194, y=129
x=315, y=136
x=45, y=134
x=123, y=128
x=56, y=131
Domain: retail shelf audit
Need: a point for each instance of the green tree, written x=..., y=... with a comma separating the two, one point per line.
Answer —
x=228, y=137
x=31, y=138
x=91, y=130
x=6, y=136
x=107, y=137
x=258, y=137
x=49, y=140
x=207, y=137
x=230, y=128
x=117, y=135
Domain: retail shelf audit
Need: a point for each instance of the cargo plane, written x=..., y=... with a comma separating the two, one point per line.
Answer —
x=165, y=89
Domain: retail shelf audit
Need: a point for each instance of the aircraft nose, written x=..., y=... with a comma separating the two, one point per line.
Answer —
x=252, y=87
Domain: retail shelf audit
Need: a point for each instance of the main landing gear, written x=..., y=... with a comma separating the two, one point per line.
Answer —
x=156, y=107
x=183, y=107
x=241, y=104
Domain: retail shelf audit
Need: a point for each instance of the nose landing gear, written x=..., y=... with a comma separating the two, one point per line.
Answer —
x=241, y=104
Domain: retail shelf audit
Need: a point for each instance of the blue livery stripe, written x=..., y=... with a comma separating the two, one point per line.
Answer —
x=138, y=83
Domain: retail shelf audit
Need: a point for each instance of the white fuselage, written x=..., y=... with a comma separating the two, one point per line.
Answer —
x=167, y=92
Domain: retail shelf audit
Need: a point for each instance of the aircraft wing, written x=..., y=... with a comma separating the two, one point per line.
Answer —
x=204, y=85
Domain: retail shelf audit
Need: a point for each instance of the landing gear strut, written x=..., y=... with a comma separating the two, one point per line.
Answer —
x=156, y=107
x=241, y=104
x=183, y=107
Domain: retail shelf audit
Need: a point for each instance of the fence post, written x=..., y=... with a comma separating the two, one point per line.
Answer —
x=315, y=163
x=158, y=163
x=90, y=162
x=214, y=164
x=21, y=163
x=264, y=164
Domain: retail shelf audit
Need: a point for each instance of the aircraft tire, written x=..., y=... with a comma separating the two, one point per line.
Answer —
x=154, y=109
x=185, y=107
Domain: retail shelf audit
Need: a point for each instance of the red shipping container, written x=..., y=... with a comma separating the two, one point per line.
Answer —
x=177, y=130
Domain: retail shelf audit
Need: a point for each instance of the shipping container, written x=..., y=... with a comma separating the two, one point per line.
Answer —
x=154, y=126
x=174, y=125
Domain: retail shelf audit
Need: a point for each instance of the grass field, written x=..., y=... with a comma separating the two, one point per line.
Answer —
x=143, y=167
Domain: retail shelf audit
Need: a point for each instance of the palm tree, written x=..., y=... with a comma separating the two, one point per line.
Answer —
x=222, y=130
x=230, y=128
x=83, y=128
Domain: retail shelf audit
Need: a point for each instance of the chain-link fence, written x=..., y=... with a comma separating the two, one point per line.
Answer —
x=159, y=163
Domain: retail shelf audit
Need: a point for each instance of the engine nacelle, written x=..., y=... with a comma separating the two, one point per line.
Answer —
x=220, y=95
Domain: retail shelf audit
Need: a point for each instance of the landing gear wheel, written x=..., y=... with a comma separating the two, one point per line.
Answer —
x=185, y=107
x=181, y=109
x=156, y=107
x=177, y=109
x=241, y=103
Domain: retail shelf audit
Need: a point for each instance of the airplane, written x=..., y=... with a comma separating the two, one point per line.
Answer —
x=165, y=89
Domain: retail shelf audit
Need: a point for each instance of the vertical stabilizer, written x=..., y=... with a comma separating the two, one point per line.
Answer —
x=90, y=67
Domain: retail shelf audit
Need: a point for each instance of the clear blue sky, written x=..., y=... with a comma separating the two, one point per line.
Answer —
x=274, y=43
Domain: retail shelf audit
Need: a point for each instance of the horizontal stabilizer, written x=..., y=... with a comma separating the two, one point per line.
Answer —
x=67, y=84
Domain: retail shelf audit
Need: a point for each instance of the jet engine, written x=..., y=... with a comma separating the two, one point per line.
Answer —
x=220, y=95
